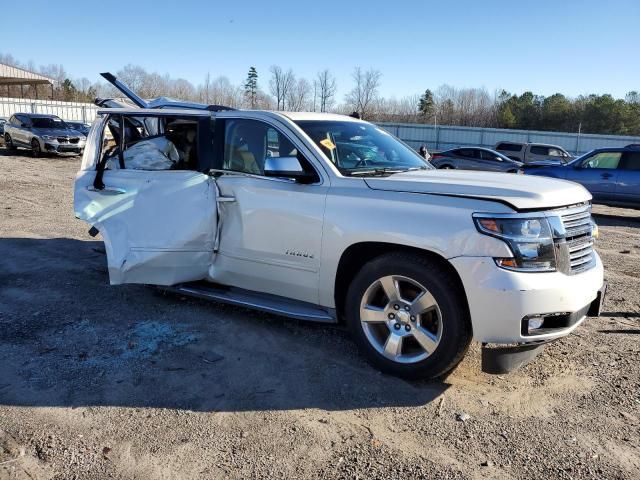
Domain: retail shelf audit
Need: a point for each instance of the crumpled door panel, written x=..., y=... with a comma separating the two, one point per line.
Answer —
x=158, y=227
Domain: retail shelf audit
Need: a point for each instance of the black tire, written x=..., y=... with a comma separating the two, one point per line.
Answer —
x=36, y=151
x=446, y=167
x=445, y=288
x=8, y=142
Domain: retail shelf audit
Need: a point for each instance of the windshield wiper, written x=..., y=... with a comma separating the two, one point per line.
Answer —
x=379, y=172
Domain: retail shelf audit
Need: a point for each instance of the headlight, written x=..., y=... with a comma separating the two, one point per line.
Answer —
x=48, y=137
x=530, y=240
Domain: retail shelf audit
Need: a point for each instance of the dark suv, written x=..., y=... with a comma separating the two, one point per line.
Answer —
x=42, y=133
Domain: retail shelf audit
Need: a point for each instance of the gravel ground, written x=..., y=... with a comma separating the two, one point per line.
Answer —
x=123, y=382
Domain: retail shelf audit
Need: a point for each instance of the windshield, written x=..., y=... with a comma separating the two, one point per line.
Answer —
x=48, y=122
x=358, y=148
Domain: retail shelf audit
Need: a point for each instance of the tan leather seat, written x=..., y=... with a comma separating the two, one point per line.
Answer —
x=245, y=143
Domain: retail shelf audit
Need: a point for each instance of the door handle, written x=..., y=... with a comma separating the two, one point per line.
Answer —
x=225, y=199
x=606, y=175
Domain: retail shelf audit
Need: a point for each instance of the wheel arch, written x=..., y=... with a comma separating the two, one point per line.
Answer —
x=355, y=256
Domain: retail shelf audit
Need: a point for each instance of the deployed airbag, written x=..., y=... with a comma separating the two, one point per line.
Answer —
x=154, y=154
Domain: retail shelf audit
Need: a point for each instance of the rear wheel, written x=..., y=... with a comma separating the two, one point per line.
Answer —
x=8, y=142
x=408, y=315
x=36, y=151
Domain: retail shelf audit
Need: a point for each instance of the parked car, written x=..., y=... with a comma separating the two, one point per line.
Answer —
x=612, y=175
x=2, y=122
x=475, y=158
x=534, y=152
x=42, y=133
x=328, y=218
x=81, y=127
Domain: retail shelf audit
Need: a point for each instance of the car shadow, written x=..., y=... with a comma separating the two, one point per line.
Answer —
x=611, y=220
x=25, y=152
x=620, y=314
x=69, y=339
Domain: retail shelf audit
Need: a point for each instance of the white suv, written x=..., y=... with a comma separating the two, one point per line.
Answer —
x=327, y=218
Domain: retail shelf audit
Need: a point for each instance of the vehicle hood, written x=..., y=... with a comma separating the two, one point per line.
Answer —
x=521, y=192
x=57, y=132
x=545, y=163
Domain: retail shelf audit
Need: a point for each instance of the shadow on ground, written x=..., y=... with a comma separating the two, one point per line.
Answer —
x=69, y=339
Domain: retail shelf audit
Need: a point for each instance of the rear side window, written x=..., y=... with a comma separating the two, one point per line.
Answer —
x=538, y=150
x=468, y=152
x=489, y=156
x=151, y=142
x=510, y=147
x=607, y=160
x=631, y=161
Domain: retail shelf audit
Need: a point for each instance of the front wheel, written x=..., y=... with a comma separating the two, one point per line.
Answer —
x=36, y=151
x=409, y=316
x=8, y=142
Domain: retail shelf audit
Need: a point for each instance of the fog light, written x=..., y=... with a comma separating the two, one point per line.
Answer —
x=534, y=323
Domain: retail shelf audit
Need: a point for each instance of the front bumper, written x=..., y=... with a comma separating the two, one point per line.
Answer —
x=56, y=147
x=499, y=299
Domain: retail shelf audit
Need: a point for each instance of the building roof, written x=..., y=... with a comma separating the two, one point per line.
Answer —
x=17, y=76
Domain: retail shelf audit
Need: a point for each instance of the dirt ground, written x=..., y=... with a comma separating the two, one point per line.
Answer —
x=124, y=382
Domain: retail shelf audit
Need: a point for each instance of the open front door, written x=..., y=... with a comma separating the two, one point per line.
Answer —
x=158, y=226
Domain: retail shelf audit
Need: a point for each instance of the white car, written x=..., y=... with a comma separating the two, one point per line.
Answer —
x=328, y=218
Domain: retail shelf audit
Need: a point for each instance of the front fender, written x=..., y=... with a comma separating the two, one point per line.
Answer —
x=436, y=224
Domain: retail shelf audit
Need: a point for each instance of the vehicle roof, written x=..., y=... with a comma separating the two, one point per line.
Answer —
x=302, y=116
x=293, y=116
x=37, y=115
x=531, y=143
x=626, y=148
x=156, y=111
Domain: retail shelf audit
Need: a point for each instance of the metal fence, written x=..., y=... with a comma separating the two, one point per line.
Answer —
x=85, y=112
x=434, y=137
x=444, y=137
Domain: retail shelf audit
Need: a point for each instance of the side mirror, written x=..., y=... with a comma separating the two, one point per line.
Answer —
x=287, y=167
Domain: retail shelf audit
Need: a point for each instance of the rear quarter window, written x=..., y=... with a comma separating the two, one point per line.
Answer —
x=538, y=150
x=509, y=147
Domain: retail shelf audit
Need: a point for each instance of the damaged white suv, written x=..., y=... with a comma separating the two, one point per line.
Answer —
x=328, y=218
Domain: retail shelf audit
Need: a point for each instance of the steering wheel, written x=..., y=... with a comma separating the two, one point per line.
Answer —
x=361, y=162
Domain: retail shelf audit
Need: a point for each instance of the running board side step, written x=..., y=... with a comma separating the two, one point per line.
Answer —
x=255, y=300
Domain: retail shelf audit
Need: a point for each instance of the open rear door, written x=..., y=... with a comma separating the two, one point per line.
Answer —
x=158, y=226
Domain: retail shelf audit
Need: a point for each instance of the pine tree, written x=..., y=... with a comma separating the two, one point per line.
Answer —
x=426, y=104
x=251, y=87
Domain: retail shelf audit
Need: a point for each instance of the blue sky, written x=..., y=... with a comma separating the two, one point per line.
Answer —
x=571, y=47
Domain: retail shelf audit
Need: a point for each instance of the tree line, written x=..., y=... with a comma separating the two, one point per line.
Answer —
x=281, y=89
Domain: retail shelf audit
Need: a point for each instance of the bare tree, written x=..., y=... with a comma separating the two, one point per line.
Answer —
x=280, y=85
x=299, y=95
x=326, y=86
x=206, y=89
x=365, y=90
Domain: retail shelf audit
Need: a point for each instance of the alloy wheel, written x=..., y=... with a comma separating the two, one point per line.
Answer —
x=401, y=319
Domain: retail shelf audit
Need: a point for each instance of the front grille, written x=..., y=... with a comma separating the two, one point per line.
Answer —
x=579, y=241
x=62, y=139
x=74, y=140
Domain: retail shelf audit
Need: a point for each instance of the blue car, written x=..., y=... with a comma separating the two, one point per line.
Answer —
x=612, y=175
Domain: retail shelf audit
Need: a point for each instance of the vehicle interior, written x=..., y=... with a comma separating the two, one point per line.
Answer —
x=150, y=143
x=248, y=144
